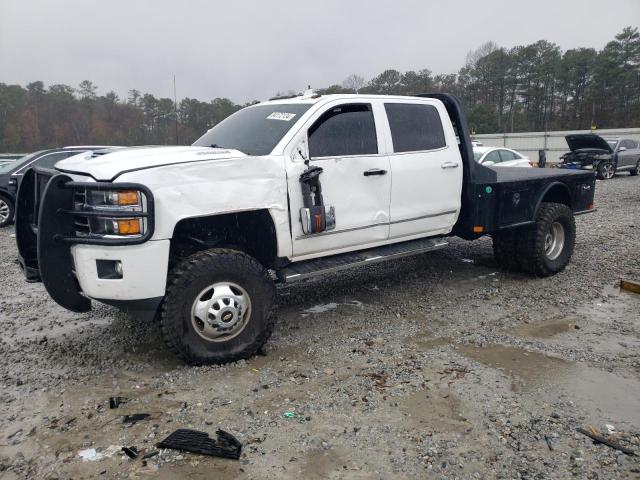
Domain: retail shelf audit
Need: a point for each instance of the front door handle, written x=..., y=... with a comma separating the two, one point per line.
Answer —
x=449, y=165
x=374, y=171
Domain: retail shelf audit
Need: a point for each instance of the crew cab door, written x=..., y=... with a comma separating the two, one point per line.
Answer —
x=344, y=139
x=427, y=169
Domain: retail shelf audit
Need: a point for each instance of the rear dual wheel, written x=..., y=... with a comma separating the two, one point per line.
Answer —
x=542, y=249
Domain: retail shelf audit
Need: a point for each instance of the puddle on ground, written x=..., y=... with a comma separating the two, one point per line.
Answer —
x=546, y=329
x=437, y=410
x=327, y=307
x=528, y=369
x=604, y=396
x=321, y=463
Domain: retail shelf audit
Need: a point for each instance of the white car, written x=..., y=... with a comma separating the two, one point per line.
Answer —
x=500, y=157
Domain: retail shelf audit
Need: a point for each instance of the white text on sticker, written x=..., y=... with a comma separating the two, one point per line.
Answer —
x=281, y=116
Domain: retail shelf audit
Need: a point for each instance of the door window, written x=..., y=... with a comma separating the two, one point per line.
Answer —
x=345, y=130
x=506, y=155
x=493, y=156
x=628, y=144
x=414, y=127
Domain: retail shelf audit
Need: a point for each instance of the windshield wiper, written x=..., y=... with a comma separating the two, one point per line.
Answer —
x=215, y=145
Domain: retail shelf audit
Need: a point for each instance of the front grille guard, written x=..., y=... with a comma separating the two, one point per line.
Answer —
x=46, y=227
x=80, y=218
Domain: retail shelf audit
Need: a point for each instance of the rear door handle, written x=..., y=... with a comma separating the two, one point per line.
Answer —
x=449, y=165
x=374, y=171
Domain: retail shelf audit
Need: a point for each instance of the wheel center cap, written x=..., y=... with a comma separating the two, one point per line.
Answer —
x=227, y=317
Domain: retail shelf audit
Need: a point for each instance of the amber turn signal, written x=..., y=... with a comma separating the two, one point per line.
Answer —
x=128, y=197
x=129, y=226
x=478, y=229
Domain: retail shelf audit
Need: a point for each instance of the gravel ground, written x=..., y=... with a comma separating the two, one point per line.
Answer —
x=439, y=366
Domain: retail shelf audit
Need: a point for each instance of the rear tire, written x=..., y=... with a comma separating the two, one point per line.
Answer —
x=505, y=245
x=7, y=211
x=636, y=170
x=218, y=307
x=606, y=171
x=546, y=247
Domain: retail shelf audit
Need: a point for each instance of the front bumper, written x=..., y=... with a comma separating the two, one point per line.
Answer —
x=144, y=270
x=51, y=250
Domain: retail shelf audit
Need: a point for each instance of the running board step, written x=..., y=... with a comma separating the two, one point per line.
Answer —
x=309, y=268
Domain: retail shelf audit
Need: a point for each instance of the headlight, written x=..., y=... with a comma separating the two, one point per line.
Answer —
x=111, y=226
x=105, y=213
x=106, y=198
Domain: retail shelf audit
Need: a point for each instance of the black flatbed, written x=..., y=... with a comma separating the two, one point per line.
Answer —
x=501, y=198
x=519, y=174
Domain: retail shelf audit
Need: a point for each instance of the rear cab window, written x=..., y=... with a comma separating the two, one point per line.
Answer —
x=415, y=127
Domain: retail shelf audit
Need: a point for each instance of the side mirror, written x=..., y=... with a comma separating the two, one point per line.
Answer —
x=488, y=162
x=622, y=149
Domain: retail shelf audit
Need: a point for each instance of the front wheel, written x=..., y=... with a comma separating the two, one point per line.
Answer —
x=606, y=171
x=217, y=308
x=636, y=170
x=7, y=210
x=545, y=248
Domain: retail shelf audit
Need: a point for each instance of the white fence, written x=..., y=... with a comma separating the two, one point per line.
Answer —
x=553, y=143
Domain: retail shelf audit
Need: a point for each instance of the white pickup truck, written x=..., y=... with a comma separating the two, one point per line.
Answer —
x=196, y=237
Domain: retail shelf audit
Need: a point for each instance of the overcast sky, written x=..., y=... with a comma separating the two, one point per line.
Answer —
x=247, y=50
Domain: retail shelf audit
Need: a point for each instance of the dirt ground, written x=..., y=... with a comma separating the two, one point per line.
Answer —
x=439, y=366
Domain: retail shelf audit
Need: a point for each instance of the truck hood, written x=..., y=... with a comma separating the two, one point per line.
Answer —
x=587, y=141
x=108, y=165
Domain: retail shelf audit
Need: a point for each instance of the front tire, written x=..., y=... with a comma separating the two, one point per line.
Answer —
x=217, y=308
x=7, y=211
x=546, y=247
x=606, y=171
x=636, y=170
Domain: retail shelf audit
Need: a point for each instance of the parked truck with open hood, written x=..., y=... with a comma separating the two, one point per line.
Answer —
x=197, y=237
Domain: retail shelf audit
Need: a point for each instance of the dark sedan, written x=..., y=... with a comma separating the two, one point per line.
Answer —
x=11, y=174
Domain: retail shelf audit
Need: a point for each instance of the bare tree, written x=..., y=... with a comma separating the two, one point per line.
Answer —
x=354, y=82
x=482, y=51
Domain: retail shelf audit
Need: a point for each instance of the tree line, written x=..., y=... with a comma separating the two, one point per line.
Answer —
x=525, y=88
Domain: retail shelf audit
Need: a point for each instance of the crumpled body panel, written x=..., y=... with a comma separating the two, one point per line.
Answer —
x=217, y=187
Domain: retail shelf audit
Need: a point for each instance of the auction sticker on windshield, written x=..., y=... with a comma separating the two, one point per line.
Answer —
x=281, y=116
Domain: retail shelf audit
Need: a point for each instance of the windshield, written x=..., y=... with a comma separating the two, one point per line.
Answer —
x=612, y=144
x=254, y=130
x=11, y=166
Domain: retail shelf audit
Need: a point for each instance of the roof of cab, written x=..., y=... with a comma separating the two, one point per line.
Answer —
x=315, y=98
